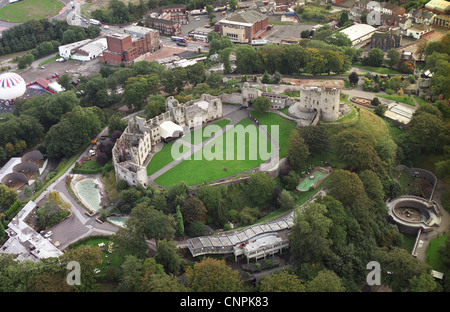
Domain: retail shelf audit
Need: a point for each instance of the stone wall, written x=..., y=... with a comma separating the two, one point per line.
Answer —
x=421, y=173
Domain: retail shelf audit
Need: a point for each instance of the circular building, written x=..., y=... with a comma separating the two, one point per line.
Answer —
x=12, y=86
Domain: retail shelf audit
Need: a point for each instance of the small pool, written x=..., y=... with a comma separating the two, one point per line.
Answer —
x=120, y=221
x=89, y=193
x=312, y=179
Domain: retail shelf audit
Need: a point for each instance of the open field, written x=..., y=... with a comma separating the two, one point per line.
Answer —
x=23, y=11
x=198, y=171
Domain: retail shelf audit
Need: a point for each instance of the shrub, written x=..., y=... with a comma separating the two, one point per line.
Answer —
x=196, y=228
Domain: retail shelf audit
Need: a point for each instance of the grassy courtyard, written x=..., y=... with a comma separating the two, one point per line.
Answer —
x=164, y=157
x=285, y=128
x=23, y=11
x=198, y=171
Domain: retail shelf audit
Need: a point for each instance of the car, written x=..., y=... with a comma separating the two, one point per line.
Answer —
x=48, y=234
x=105, y=26
x=197, y=18
x=206, y=45
x=42, y=67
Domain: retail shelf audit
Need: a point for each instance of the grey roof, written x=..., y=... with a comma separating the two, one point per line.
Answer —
x=250, y=17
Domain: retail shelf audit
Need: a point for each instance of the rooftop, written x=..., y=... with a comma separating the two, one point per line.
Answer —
x=139, y=30
x=249, y=17
x=357, y=31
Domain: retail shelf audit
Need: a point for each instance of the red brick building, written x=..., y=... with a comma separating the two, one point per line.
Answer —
x=177, y=12
x=126, y=47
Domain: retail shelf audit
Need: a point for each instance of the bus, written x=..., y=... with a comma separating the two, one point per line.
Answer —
x=201, y=38
x=178, y=39
x=260, y=42
x=95, y=22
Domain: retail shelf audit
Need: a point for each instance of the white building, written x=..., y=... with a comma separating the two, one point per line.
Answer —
x=26, y=243
x=84, y=50
x=418, y=30
x=359, y=33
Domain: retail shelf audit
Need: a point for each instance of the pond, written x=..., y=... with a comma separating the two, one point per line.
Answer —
x=312, y=179
x=89, y=193
x=120, y=221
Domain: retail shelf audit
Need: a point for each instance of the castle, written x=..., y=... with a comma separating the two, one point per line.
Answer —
x=132, y=150
x=318, y=103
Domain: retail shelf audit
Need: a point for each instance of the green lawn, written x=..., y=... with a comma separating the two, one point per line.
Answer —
x=433, y=258
x=285, y=128
x=23, y=11
x=164, y=157
x=379, y=70
x=49, y=60
x=194, y=171
x=399, y=98
x=420, y=101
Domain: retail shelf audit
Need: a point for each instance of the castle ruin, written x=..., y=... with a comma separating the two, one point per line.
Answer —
x=132, y=150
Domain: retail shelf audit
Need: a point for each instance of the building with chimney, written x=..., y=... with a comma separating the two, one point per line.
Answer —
x=124, y=48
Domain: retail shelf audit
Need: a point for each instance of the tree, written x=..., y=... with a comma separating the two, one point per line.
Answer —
x=325, y=281
x=343, y=19
x=233, y=4
x=399, y=267
x=193, y=209
x=423, y=283
x=259, y=188
x=277, y=77
x=380, y=110
x=309, y=241
x=261, y=104
x=211, y=275
x=298, y=151
x=316, y=138
x=283, y=281
x=357, y=149
x=89, y=258
x=132, y=273
x=353, y=78
x=315, y=61
x=167, y=256
x=393, y=58
x=8, y=197
x=427, y=129
x=375, y=57
x=179, y=221
x=245, y=59
x=266, y=78
x=286, y=200
x=375, y=101
x=212, y=196
x=73, y=130
x=196, y=73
